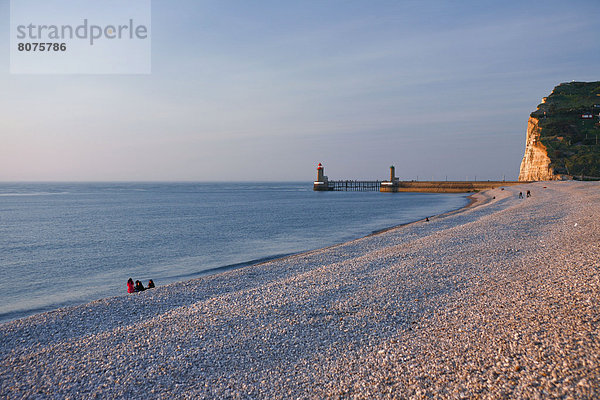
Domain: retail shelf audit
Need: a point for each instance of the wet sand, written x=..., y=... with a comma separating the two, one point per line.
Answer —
x=498, y=300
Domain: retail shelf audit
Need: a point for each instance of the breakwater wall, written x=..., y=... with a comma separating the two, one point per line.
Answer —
x=444, y=186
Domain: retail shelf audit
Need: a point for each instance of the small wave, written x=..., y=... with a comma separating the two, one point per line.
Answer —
x=12, y=315
x=229, y=267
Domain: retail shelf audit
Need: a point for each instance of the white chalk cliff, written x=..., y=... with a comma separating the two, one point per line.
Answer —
x=536, y=163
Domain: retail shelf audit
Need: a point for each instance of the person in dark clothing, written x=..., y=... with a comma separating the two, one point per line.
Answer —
x=130, y=286
x=150, y=284
x=528, y=193
x=139, y=287
x=520, y=195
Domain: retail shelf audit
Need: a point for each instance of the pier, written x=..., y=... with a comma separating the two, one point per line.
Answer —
x=324, y=184
x=395, y=185
x=351, y=186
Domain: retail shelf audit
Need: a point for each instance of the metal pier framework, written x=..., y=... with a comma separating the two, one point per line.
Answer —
x=324, y=184
x=356, y=186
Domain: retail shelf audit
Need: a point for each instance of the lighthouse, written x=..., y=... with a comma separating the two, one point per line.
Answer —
x=393, y=174
x=320, y=173
x=322, y=183
x=392, y=184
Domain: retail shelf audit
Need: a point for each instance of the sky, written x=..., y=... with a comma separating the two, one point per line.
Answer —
x=265, y=90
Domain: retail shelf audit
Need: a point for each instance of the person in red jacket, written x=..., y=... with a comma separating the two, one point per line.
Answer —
x=130, y=286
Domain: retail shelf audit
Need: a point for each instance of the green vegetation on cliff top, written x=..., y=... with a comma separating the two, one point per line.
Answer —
x=572, y=140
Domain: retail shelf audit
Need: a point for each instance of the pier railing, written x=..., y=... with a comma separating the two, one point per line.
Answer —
x=349, y=185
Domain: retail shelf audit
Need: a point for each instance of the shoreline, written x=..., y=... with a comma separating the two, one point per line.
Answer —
x=472, y=202
x=484, y=301
x=20, y=314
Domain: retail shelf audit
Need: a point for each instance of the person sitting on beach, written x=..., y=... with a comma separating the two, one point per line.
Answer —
x=139, y=287
x=130, y=286
x=150, y=284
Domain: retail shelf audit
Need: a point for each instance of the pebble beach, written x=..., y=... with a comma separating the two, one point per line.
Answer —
x=497, y=300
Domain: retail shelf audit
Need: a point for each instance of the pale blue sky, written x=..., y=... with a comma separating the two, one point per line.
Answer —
x=264, y=90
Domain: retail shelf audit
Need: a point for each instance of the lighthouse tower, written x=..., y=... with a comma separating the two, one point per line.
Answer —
x=392, y=184
x=320, y=173
x=322, y=183
x=393, y=174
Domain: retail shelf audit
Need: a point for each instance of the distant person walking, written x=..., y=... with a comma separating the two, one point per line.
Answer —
x=528, y=193
x=130, y=286
x=520, y=195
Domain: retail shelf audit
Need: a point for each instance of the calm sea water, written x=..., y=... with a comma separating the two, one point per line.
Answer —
x=64, y=244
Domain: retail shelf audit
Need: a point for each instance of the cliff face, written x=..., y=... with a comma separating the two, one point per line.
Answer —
x=563, y=135
x=536, y=163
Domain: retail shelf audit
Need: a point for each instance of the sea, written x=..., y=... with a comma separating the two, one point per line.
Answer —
x=64, y=244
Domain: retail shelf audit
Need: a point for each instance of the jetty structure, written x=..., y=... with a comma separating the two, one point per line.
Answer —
x=324, y=184
x=395, y=185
